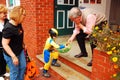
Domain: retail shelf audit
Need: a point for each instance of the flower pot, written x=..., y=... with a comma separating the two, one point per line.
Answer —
x=102, y=68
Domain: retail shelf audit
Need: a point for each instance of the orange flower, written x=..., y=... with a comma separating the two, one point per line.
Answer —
x=115, y=66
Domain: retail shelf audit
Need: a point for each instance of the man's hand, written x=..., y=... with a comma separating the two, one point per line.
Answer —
x=69, y=41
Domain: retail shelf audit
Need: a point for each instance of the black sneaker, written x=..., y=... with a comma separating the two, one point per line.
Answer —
x=56, y=64
x=47, y=75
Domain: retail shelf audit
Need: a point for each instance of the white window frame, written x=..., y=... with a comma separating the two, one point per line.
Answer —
x=15, y=3
x=59, y=27
x=62, y=2
x=68, y=21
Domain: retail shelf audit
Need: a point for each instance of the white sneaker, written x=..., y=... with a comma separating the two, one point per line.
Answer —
x=1, y=78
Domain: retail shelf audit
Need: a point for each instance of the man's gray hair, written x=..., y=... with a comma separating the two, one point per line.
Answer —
x=75, y=12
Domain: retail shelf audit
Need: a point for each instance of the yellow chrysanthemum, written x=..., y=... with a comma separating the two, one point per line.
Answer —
x=113, y=48
x=100, y=30
x=94, y=35
x=115, y=51
x=108, y=45
x=118, y=50
x=105, y=39
x=109, y=52
x=114, y=75
x=96, y=28
x=119, y=44
x=115, y=59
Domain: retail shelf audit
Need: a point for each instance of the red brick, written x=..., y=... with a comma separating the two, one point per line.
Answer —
x=2, y=1
x=102, y=68
x=40, y=17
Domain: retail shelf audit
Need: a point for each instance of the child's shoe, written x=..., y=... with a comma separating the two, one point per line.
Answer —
x=45, y=73
x=56, y=64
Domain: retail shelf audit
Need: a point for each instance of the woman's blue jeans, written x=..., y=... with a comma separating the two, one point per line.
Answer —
x=16, y=72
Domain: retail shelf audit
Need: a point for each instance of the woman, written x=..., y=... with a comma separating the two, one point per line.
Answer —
x=12, y=41
x=3, y=20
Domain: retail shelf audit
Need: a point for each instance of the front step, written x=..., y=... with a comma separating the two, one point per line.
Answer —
x=79, y=64
x=65, y=71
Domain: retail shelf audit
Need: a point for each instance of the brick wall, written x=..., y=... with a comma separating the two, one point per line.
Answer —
x=102, y=68
x=2, y=1
x=39, y=18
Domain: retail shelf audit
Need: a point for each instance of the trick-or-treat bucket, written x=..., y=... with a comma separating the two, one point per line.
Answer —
x=66, y=49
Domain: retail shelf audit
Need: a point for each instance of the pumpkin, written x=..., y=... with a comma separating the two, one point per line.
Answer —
x=31, y=70
x=26, y=77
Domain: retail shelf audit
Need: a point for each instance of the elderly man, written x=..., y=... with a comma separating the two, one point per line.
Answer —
x=85, y=20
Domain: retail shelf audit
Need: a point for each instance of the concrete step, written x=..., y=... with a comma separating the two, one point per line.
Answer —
x=74, y=51
x=79, y=64
x=66, y=72
x=79, y=67
x=82, y=62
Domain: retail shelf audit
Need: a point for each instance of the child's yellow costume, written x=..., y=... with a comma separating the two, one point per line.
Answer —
x=50, y=52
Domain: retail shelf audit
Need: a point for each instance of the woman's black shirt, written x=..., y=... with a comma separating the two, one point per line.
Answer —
x=15, y=34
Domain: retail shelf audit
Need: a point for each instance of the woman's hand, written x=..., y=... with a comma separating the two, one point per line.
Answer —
x=15, y=60
x=25, y=47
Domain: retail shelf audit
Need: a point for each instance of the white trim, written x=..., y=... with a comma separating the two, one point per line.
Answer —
x=62, y=2
x=58, y=27
x=15, y=3
x=68, y=21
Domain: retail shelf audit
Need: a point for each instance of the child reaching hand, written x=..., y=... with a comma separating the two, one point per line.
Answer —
x=50, y=52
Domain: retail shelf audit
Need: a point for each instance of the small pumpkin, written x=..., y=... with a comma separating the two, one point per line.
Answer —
x=31, y=70
x=26, y=77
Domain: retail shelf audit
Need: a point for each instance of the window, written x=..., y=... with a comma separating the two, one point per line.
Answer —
x=99, y=1
x=71, y=1
x=86, y=1
x=65, y=2
x=11, y=3
x=92, y=1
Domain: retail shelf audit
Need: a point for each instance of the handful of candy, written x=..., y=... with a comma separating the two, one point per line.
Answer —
x=66, y=49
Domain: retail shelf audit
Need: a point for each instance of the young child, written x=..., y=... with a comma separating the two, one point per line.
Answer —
x=50, y=52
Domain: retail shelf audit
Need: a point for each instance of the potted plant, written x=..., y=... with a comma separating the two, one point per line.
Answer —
x=109, y=42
